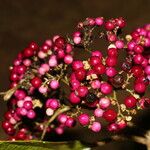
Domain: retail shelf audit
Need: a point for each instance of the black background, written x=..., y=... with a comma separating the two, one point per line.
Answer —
x=22, y=21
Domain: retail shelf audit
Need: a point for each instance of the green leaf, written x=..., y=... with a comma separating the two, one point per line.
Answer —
x=38, y=145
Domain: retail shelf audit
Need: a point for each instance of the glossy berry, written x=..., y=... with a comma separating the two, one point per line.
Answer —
x=130, y=101
x=94, y=60
x=28, y=52
x=82, y=91
x=80, y=74
x=84, y=119
x=137, y=71
x=104, y=103
x=140, y=87
x=99, y=69
x=106, y=88
x=74, y=99
x=111, y=61
x=36, y=82
x=109, y=26
x=96, y=126
x=109, y=115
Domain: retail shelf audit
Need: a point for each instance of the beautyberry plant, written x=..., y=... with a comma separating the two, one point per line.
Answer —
x=51, y=89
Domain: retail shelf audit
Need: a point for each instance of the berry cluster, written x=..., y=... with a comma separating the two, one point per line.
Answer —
x=51, y=90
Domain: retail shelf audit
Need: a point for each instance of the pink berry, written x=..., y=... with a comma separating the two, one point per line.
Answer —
x=99, y=21
x=106, y=88
x=98, y=112
x=95, y=84
x=84, y=119
x=27, y=62
x=54, y=84
x=52, y=103
x=96, y=126
x=119, y=44
x=43, y=89
x=23, y=111
x=53, y=61
x=97, y=53
x=75, y=84
x=77, y=40
x=41, y=54
x=20, y=103
x=68, y=59
x=147, y=70
x=31, y=114
x=111, y=72
x=104, y=103
x=62, y=118
x=59, y=130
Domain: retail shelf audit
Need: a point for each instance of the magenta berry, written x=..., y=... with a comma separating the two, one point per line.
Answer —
x=51, y=88
x=106, y=88
x=84, y=119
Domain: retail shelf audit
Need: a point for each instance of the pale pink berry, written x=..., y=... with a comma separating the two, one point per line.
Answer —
x=54, y=84
x=12, y=121
x=104, y=103
x=41, y=71
x=27, y=62
x=43, y=89
x=28, y=98
x=98, y=112
x=53, y=61
x=77, y=40
x=41, y=54
x=49, y=112
x=49, y=42
x=119, y=44
x=96, y=126
x=45, y=66
x=68, y=59
x=20, y=103
x=96, y=84
x=62, y=118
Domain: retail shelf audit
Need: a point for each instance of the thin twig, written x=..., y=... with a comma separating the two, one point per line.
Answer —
x=58, y=112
